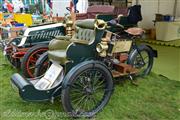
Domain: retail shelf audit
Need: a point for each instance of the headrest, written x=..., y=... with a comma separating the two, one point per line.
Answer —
x=87, y=23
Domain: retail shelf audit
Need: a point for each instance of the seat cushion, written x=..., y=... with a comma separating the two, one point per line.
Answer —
x=58, y=55
x=85, y=34
x=87, y=23
x=57, y=44
x=57, y=50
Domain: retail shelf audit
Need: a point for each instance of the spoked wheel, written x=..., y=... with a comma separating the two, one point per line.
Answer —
x=30, y=58
x=42, y=65
x=13, y=61
x=89, y=88
x=142, y=59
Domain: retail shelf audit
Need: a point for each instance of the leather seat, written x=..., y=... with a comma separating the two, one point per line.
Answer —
x=84, y=34
x=58, y=55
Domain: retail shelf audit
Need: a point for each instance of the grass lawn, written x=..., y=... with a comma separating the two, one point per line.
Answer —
x=155, y=98
x=168, y=61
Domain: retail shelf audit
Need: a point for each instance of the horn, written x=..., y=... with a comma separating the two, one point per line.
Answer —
x=100, y=24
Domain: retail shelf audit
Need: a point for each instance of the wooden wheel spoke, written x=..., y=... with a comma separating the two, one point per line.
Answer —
x=32, y=60
x=32, y=67
x=38, y=55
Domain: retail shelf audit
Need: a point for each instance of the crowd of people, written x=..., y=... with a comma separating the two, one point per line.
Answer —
x=17, y=6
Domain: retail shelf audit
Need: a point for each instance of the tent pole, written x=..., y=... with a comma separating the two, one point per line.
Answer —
x=175, y=8
x=158, y=6
x=137, y=2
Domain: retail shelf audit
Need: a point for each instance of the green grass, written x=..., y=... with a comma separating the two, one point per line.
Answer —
x=168, y=61
x=155, y=98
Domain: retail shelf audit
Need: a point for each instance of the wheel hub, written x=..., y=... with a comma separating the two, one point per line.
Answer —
x=88, y=91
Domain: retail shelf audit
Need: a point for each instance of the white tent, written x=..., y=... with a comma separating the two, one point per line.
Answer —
x=151, y=7
x=59, y=6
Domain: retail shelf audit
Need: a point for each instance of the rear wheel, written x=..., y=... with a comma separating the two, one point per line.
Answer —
x=142, y=59
x=89, y=88
x=30, y=58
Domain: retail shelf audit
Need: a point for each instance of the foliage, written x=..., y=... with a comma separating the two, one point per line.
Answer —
x=155, y=98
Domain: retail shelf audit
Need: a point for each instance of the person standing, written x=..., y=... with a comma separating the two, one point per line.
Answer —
x=47, y=9
x=21, y=6
x=26, y=7
x=4, y=6
x=36, y=3
x=16, y=5
x=9, y=6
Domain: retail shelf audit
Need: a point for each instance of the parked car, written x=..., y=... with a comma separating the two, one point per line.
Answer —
x=84, y=66
x=23, y=51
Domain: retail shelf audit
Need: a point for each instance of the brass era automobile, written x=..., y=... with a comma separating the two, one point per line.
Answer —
x=83, y=68
x=22, y=51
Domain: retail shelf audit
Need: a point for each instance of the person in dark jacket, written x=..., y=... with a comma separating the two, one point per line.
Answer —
x=134, y=14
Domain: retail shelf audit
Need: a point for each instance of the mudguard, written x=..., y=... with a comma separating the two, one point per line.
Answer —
x=78, y=66
x=28, y=92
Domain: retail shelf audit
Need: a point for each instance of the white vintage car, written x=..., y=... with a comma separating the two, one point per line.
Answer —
x=23, y=51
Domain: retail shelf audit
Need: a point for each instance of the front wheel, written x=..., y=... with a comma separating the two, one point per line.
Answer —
x=142, y=59
x=88, y=89
x=42, y=65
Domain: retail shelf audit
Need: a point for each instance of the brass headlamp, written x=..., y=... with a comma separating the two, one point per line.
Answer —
x=102, y=48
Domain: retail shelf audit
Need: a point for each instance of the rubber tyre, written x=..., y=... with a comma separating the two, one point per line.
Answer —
x=71, y=78
x=35, y=50
x=40, y=65
x=134, y=54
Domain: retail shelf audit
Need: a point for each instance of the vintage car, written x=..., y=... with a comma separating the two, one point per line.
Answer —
x=23, y=51
x=83, y=68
